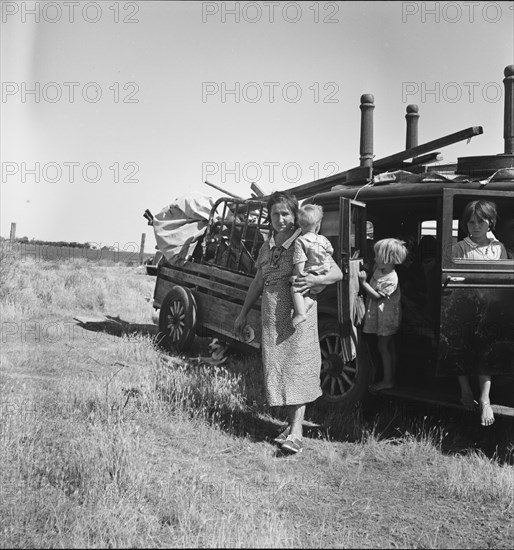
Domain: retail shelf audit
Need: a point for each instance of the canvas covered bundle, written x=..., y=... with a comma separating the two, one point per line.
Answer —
x=179, y=227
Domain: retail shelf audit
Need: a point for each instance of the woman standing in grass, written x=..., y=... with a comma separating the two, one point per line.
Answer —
x=291, y=357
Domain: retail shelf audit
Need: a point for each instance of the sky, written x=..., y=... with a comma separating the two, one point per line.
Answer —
x=110, y=107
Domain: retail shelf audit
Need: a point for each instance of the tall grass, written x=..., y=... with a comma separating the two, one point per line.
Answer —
x=80, y=458
x=33, y=288
x=137, y=448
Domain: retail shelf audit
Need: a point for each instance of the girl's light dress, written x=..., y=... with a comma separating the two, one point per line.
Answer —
x=469, y=250
x=383, y=317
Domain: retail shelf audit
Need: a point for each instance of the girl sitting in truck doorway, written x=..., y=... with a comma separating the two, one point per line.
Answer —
x=478, y=218
x=383, y=305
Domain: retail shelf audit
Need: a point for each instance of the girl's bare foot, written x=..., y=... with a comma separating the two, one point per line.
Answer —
x=487, y=415
x=379, y=386
x=297, y=319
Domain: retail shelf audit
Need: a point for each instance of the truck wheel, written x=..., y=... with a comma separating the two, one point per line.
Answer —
x=343, y=383
x=177, y=319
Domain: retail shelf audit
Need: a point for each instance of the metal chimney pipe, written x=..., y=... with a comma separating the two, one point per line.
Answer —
x=508, y=116
x=412, y=118
x=366, y=144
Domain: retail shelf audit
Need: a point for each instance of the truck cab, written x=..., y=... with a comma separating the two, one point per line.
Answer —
x=450, y=306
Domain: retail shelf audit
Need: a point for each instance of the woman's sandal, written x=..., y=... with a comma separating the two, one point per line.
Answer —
x=486, y=414
x=282, y=436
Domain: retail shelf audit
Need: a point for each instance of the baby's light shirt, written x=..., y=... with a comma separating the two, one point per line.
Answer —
x=315, y=250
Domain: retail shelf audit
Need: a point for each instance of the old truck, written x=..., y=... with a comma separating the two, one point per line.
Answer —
x=416, y=201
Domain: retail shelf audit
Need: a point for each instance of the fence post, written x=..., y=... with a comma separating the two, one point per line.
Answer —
x=142, y=248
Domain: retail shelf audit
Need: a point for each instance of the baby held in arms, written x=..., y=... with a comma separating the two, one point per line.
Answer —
x=312, y=254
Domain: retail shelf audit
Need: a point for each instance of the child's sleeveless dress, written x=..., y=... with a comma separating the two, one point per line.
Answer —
x=383, y=317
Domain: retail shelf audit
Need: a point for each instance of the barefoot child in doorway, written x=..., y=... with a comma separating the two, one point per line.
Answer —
x=478, y=219
x=312, y=254
x=383, y=309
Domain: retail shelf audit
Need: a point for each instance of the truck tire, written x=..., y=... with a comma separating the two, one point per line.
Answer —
x=344, y=384
x=177, y=319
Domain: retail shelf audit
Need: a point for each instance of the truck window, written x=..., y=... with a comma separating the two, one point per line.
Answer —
x=428, y=227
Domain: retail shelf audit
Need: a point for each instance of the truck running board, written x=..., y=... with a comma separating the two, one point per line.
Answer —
x=413, y=394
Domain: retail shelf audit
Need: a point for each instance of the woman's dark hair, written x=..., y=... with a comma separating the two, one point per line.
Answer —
x=483, y=210
x=283, y=197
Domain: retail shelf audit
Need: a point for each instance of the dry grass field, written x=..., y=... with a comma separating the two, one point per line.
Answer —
x=106, y=441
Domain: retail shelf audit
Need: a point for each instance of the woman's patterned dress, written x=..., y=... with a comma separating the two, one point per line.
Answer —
x=291, y=357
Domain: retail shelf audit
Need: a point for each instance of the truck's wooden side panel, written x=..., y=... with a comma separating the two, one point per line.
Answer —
x=218, y=315
x=191, y=280
x=219, y=296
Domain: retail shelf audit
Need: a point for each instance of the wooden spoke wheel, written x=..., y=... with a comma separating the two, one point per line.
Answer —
x=343, y=383
x=177, y=319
